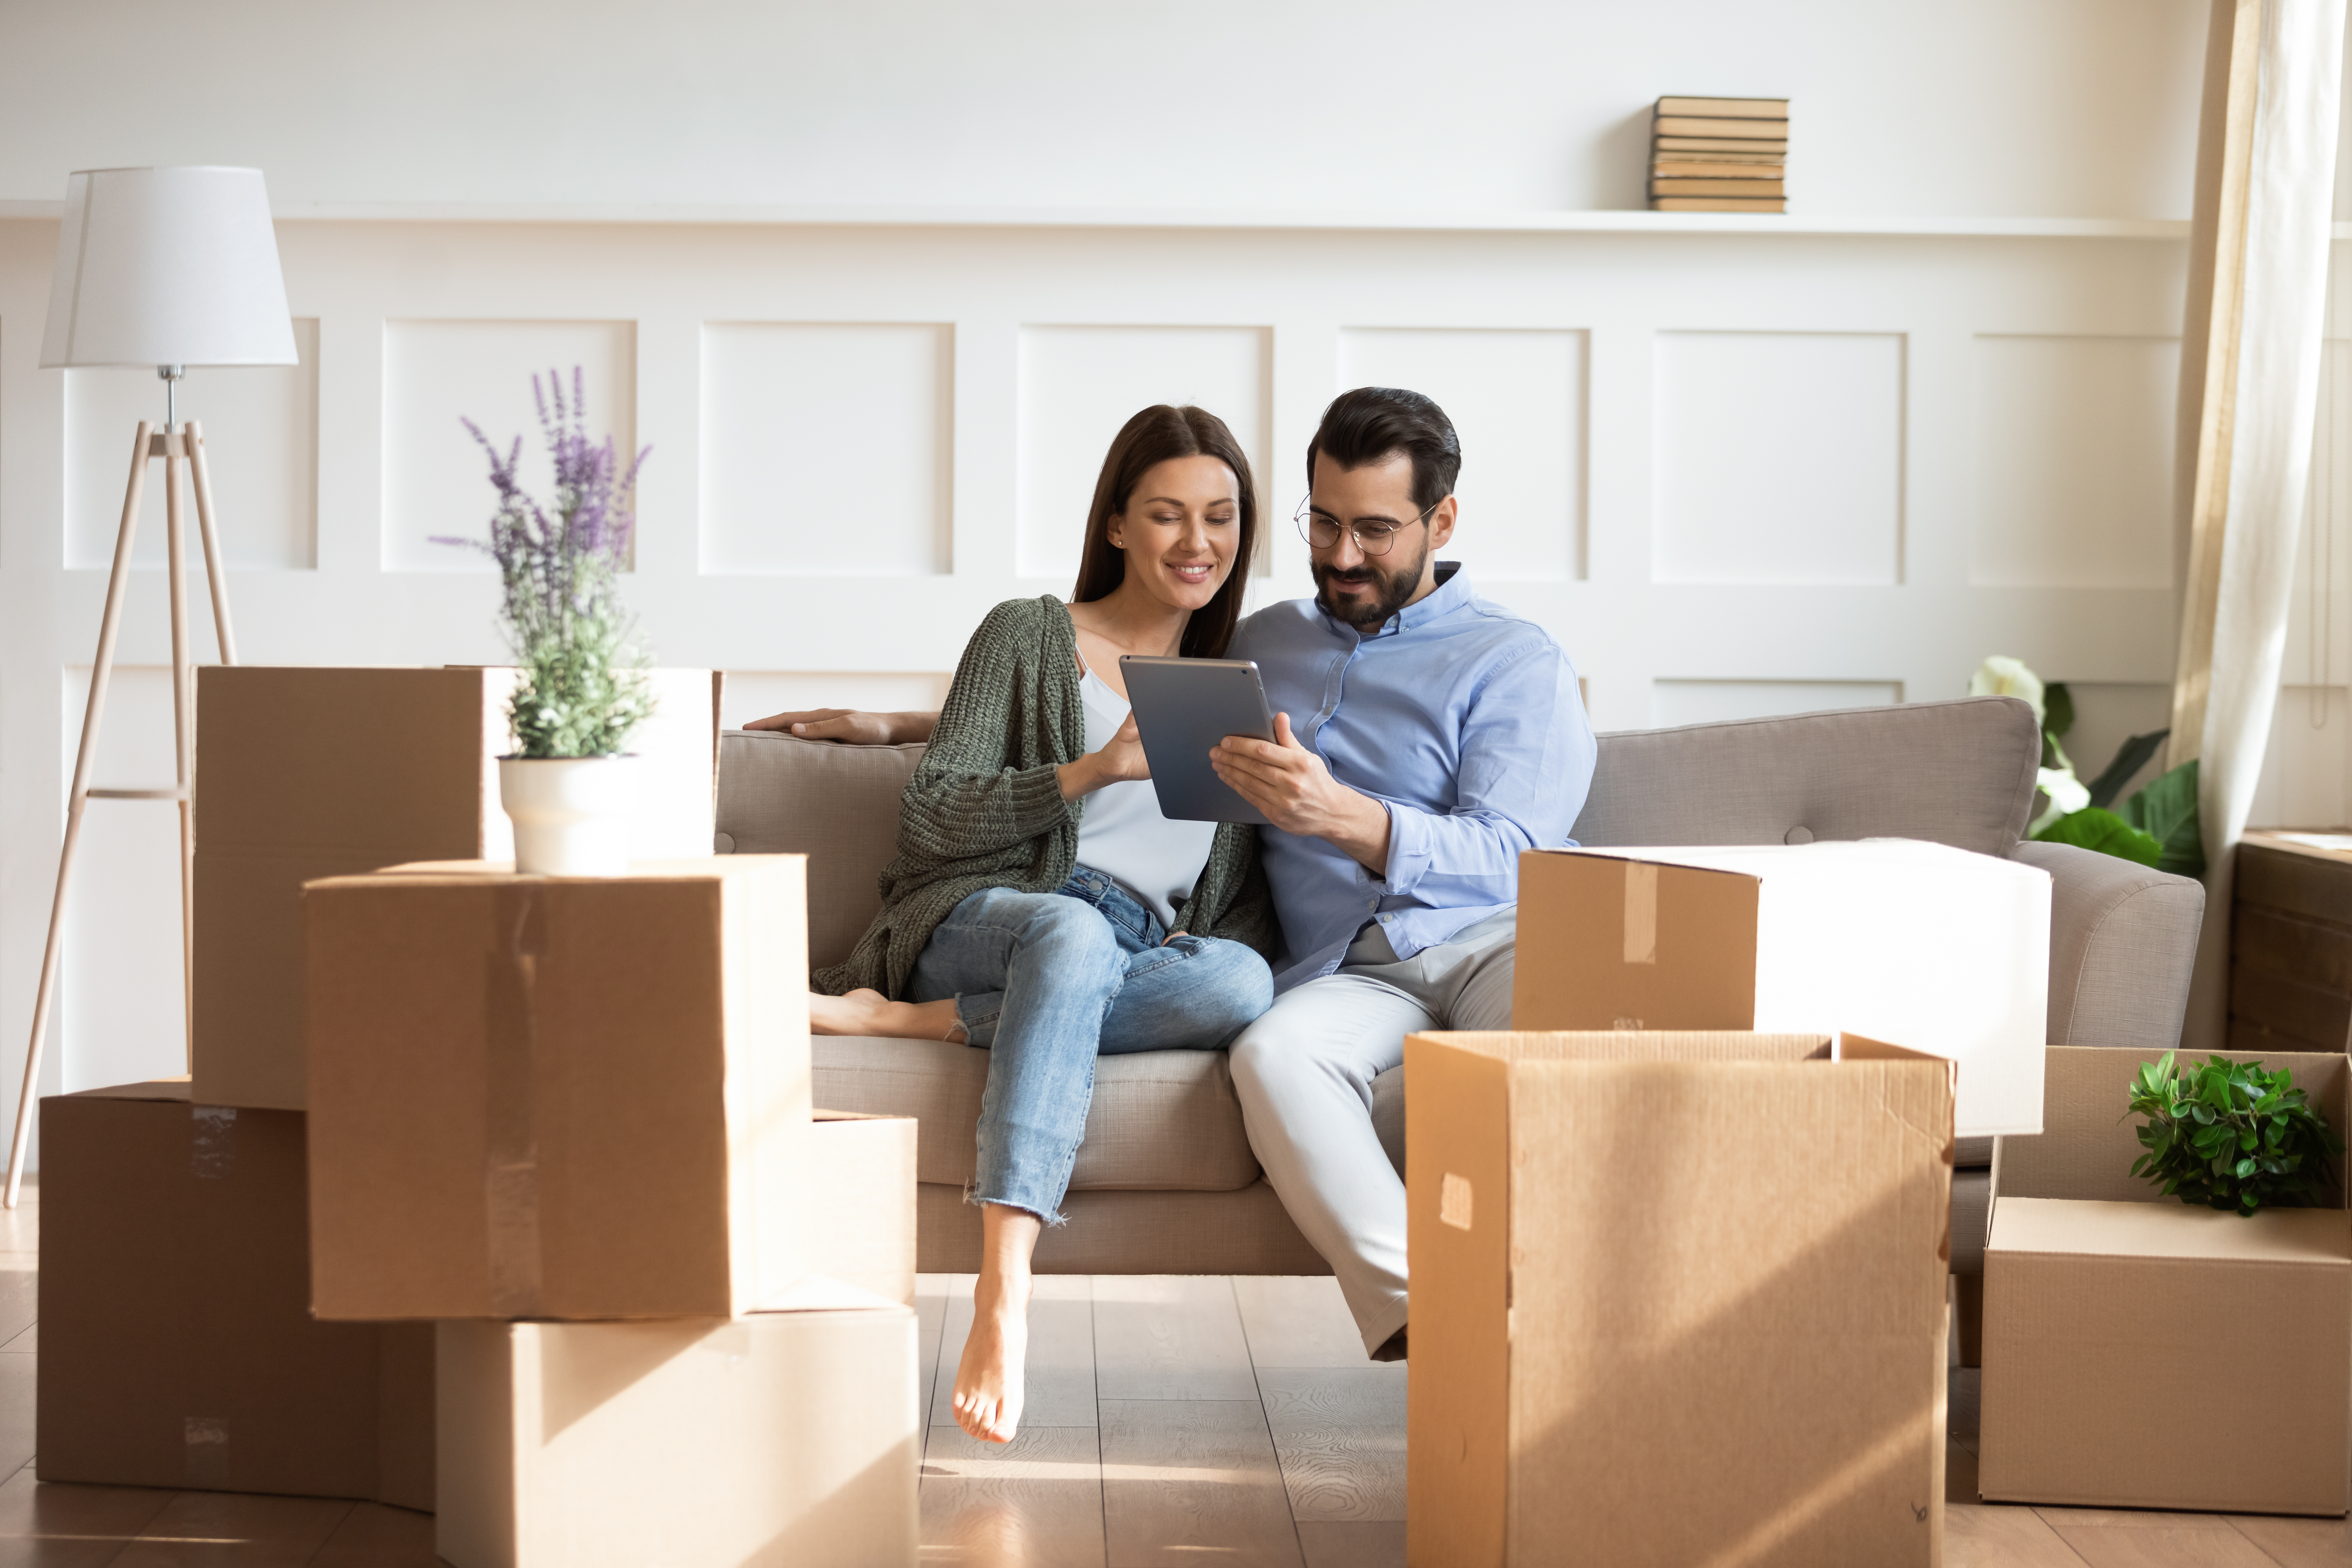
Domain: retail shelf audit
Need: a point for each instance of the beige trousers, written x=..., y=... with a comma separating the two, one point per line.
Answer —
x=1303, y=1073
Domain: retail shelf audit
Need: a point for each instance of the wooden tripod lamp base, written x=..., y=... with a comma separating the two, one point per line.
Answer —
x=183, y=450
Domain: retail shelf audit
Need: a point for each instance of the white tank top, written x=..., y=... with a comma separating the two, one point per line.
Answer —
x=1122, y=833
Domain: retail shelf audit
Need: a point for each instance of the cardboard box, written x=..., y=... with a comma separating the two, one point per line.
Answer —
x=303, y=773
x=2139, y=1352
x=1676, y=1298
x=1946, y=951
x=571, y=1098
x=789, y=1439
x=177, y=1347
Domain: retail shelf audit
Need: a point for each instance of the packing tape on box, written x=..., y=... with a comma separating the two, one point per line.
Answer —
x=1640, y=912
x=211, y=1141
x=205, y=1451
x=510, y=1121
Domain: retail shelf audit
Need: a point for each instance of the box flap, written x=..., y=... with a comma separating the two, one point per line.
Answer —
x=1629, y=1046
x=2089, y=1142
x=168, y=1089
x=2098, y=1228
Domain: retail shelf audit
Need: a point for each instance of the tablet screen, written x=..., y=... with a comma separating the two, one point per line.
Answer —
x=1182, y=708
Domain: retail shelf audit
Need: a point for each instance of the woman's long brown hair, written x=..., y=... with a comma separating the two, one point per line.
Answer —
x=1153, y=436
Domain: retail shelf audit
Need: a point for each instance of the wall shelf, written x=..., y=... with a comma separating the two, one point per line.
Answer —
x=1468, y=222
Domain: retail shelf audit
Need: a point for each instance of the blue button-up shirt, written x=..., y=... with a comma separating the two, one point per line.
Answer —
x=1462, y=718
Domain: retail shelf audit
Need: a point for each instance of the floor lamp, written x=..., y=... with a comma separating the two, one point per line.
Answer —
x=168, y=268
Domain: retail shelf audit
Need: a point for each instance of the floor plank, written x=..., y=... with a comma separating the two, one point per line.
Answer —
x=71, y=1527
x=226, y=1529
x=932, y=1292
x=1059, y=1387
x=1297, y=1321
x=1980, y=1536
x=2124, y=1538
x=1035, y=1502
x=1338, y=1433
x=1170, y=1336
x=2299, y=1542
x=19, y=1294
x=374, y=1536
x=16, y=1378
x=1352, y=1543
x=1189, y=1481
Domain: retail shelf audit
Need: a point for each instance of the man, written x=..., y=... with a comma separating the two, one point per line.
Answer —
x=1424, y=738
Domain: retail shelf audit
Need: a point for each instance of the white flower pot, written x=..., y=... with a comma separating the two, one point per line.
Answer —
x=570, y=814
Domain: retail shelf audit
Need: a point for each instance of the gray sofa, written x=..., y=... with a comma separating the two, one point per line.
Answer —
x=1165, y=1182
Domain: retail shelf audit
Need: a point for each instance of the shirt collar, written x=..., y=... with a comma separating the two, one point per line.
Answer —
x=1453, y=592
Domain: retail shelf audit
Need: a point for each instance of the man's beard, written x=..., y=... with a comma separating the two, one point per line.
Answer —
x=1392, y=587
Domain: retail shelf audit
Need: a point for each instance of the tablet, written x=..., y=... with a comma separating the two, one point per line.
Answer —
x=1182, y=708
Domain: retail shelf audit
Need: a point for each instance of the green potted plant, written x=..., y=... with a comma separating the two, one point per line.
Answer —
x=2232, y=1135
x=569, y=784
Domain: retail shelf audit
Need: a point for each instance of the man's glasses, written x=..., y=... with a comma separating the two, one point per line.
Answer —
x=1374, y=535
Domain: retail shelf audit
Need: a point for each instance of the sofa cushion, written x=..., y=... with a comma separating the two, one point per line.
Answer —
x=1951, y=773
x=1159, y=1120
x=779, y=794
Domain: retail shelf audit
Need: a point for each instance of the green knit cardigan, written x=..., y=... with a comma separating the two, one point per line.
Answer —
x=985, y=809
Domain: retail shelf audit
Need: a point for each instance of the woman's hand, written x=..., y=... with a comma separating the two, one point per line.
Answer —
x=1119, y=761
x=851, y=726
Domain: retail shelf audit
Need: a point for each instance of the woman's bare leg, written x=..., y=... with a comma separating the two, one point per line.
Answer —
x=988, y=1379
x=871, y=1013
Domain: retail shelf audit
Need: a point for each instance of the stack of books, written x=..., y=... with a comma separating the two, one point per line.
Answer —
x=1719, y=155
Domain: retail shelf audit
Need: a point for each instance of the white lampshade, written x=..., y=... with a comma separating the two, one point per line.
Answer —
x=160, y=267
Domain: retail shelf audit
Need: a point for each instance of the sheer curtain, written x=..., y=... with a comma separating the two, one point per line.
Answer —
x=2249, y=431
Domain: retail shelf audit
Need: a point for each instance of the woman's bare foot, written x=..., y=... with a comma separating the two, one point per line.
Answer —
x=988, y=1384
x=864, y=1012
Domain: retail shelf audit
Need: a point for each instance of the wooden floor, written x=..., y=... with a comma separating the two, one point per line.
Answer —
x=1173, y=1420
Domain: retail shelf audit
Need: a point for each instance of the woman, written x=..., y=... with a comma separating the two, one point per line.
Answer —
x=1040, y=905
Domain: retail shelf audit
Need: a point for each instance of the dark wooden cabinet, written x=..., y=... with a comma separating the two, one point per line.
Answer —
x=2291, y=945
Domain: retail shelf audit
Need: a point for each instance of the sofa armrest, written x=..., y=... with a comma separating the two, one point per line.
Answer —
x=2123, y=941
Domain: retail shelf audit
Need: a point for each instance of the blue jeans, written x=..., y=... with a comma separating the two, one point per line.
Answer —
x=1046, y=982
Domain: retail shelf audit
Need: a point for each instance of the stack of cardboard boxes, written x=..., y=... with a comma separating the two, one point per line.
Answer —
x=555, y=1136
x=1679, y=1247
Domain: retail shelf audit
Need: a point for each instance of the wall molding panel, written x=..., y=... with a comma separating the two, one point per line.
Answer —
x=1733, y=469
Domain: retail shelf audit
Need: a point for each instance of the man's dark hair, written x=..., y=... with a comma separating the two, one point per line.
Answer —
x=1372, y=424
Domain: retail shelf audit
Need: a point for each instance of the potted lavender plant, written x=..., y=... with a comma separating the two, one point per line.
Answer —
x=568, y=783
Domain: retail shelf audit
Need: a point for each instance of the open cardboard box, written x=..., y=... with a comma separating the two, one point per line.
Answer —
x=785, y=1439
x=1677, y=1298
x=177, y=1346
x=308, y=773
x=578, y=1098
x=1888, y=938
x=2140, y=1352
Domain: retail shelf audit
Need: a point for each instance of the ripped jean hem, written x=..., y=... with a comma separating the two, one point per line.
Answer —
x=1052, y=1221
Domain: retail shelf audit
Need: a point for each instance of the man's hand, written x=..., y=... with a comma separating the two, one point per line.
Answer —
x=1297, y=792
x=850, y=726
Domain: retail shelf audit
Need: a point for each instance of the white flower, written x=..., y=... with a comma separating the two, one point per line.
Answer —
x=2002, y=675
x=2067, y=795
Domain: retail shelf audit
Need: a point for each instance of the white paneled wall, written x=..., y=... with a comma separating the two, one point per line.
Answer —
x=1673, y=703
x=1735, y=471
x=1779, y=458
x=790, y=412
x=2075, y=461
x=1523, y=394
x=264, y=486
x=1080, y=383
x=437, y=374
